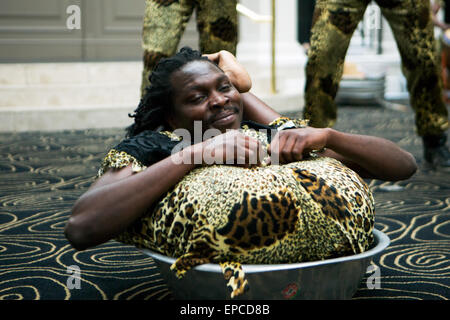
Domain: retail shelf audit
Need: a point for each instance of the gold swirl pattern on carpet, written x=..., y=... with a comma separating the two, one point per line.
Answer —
x=43, y=173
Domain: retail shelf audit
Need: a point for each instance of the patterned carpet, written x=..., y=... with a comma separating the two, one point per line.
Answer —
x=42, y=174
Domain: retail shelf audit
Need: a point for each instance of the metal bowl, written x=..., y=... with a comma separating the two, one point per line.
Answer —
x=365, y=91
x=337, y=278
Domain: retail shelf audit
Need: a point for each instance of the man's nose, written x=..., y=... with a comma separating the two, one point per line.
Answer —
x=218, y=100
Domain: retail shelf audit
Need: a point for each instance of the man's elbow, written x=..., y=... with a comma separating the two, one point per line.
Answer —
x=77, y=234
x=411, y=166
x=408, y=168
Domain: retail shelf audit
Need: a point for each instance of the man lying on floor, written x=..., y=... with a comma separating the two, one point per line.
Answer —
x=272, y=191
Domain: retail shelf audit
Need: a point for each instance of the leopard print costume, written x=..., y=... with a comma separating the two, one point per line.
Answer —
x=334, y=22
x=302, y=211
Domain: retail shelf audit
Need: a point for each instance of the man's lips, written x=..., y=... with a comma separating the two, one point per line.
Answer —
x=223, y=115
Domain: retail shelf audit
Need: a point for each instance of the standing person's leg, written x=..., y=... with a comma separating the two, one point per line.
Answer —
x=217, y=24
x=412, y=27
x=332, y=28
x=164, y=24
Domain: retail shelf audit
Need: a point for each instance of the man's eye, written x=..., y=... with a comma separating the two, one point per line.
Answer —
x=225, y=87
x=196, y=99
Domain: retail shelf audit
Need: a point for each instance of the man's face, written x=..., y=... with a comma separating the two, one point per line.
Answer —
x=202, y=92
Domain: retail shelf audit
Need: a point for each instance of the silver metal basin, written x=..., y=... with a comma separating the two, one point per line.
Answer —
x=366, y=91
x=337, y=278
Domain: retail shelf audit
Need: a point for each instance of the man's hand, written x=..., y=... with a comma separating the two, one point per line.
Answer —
x=232, y=148
x=235, y=71
x=292, y=144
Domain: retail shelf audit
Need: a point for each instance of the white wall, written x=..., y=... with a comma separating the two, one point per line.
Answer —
x=255, y=38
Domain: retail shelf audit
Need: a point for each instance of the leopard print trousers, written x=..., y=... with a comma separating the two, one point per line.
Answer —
x=165, y=22
x=334, y=22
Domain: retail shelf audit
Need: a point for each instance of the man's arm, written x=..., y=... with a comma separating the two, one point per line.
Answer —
x=117, y=199
x=370, y=157
x=257, y=110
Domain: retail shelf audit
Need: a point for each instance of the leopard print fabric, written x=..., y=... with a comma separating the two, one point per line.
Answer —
x=235, y=276
x=333, y=25
x=302, y=211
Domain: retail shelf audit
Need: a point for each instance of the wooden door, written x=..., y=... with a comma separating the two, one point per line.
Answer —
x=42, y=30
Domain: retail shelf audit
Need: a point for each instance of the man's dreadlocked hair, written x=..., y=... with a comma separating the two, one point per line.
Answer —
x=151, y=111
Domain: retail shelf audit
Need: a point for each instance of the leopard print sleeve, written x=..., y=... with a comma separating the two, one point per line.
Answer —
x=282, y=123
x=142, y=151
x=119, y=159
